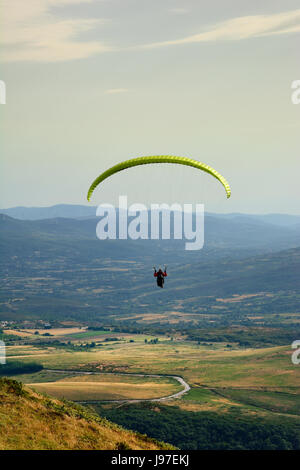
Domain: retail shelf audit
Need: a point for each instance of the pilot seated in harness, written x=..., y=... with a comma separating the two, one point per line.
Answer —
x=160, y=276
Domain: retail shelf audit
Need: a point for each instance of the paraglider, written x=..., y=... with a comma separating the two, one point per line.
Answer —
x=160, y=276
x=158, y=159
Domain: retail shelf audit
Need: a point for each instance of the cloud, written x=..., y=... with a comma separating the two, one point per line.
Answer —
x=243, y=27
x=32, y=32
x=113, y=91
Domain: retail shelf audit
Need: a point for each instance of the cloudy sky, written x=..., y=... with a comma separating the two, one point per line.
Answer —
x=94, y=82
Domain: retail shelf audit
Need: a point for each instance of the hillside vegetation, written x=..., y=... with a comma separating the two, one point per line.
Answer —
x=29, y=420
x=208, y=430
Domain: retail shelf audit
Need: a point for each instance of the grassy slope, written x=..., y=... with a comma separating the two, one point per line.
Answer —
x=32, y=421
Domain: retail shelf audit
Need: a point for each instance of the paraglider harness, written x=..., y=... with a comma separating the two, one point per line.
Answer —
x=160, y=276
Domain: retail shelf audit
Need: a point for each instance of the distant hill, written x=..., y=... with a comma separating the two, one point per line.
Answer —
x=59, y=210
x=229, y=288
x=264, y=273
x=76, y=211
x=237, y=237
x=57, y=268
x=285, y=220
x=31, y=421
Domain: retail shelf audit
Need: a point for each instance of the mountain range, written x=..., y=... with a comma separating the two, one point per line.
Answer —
x=57, y=266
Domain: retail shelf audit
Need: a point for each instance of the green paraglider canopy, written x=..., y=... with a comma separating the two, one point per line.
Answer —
x=158, y=159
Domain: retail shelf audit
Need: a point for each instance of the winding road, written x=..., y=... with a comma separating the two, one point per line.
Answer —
x=182, y=382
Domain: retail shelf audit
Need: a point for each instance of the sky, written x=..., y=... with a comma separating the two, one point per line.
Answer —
x=90, y=83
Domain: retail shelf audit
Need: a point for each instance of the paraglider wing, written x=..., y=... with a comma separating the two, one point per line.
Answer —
x=158, y=159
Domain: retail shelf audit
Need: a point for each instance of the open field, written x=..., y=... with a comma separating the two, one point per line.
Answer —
x=57, y=331
x=214, y=366
x=78, y=334
x=108, y=387
x=287, y=402
x=254, y=380
x=203, y=399
x=210, y=366
x=21, y=334
x=25, y=351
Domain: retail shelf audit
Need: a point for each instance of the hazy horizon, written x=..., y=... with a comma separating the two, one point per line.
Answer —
x=91, y=206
